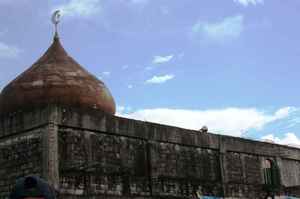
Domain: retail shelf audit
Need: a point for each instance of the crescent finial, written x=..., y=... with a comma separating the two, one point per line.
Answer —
x=55, y=20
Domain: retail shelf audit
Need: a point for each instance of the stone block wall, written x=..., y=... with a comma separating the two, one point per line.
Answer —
x=152, y=160
x=23, y=147
x=89, y=154
x=290, y=172
x=180, y=171
x=101, y=164
x=20, y=156
x=93, y=163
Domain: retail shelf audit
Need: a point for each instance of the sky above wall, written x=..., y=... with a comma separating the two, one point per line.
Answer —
x=232, y=65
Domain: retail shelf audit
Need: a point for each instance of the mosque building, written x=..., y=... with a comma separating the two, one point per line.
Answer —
x=58, y=121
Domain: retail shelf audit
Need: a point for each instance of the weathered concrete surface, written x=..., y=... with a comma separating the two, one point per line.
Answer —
x=24, y=147
x=19, y=156
x=90, y=154
x=182, y=161
x=22, y=121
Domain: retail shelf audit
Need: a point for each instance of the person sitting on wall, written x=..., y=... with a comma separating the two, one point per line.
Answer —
x=32, y=187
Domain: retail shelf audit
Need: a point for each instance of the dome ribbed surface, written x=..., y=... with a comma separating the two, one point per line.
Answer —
x=56, y=78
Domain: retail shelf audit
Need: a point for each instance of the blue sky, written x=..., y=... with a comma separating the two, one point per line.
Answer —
x=232, y=65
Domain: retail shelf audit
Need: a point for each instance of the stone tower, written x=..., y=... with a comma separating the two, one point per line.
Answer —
x=57, y=121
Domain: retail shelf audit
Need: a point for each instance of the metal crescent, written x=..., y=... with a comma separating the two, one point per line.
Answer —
x=55, y=17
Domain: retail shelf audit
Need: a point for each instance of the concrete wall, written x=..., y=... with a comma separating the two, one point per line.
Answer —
x=19, y=156
x=172, y=162
x=27, y=146
x=98, y=163
x=290, y=172
x=88, y=154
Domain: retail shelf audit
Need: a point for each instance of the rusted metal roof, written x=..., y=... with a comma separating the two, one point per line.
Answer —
x=56, y=78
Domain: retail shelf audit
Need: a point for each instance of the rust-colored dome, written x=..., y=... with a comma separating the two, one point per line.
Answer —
x=56, y=78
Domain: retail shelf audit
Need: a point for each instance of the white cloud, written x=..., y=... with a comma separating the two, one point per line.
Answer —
x=7, y=51
x=294, y=122
x=159, y=79
x=228, y=28
x=130, y=86
x=284, y=112
x=162, y=59
x=83, y=8
x=123, y=109
x=249, y=2
x=106, y=73
x=289, y=139
x=230, y=121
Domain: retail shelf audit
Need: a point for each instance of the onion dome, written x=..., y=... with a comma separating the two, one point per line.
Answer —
x=56, y=78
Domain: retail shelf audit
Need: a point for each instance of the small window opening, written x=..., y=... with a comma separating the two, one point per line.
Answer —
x=271, y=174
x=267, y=170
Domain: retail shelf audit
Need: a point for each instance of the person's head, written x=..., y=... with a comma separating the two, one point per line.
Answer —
x=32, y=187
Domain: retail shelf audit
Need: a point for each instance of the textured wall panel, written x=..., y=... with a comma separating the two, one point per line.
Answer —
x=100, y=164
x=19, y=156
